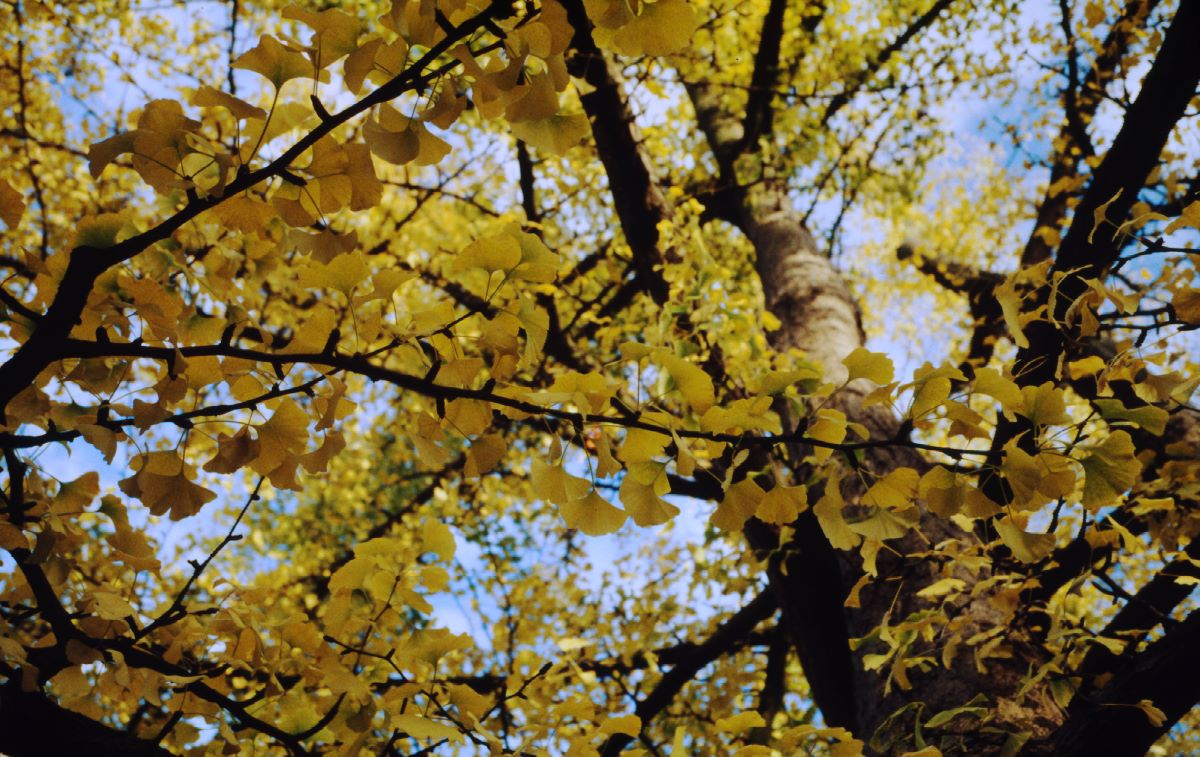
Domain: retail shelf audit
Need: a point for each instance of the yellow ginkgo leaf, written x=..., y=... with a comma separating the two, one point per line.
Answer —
x=318, y=460
x=642, y=500
x=1186, y=304
x=210, y=97
x=399, y=139
x=12, y=537
x=895, y=490
x=554, y=135
x=275, y=62
x=608, y=14
x=343, y=273
x=641, y=445
x=164, y=484
x=1009, y=298
x=740, y=723
x=12, y=205
x=538, y=264
x=101, y=153
x=1044, y=405
x=484, y=453
x=553, y=484
x=281, y=439
x=286, y=117
x=417, y=727
x=439, y=539
x=1088, y=366
x=1109, y=471
x=662, y=28
x=245, y=214
x=828, y=426
x=695, y=385
x=630, y=725
x=829, y=511
x=782, y=505
x=942, y=587
x=1190, y=216
x=500, y=252
x=74, y=496
x=942, y=491
x=102, y=438
x=873, y=366
x=1152, y=419
x=884, y=523
x=606, y=464
x=1036, y=480
x=1026, y=547
x=593, y=515
x=990, y=382
x=1156, y=716
x=297, y=713
x=335, y=33
x=1099, y=215
x=111, y=606
x=101, y=231
x=739, y=503
x=361, y=63
x=778, y=381
x=931, y=387
x=537, y=100
x=385, y=284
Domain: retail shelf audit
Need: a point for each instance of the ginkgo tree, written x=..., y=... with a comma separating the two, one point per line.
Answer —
x=389, y=303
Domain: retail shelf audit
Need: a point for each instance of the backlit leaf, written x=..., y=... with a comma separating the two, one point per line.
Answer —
x=275, y=62
x=1026, y=547
x=739, y=503
x=1109, y=471
x=593, y=515
x=782, y=504
x=12, y=205
x=873, y=366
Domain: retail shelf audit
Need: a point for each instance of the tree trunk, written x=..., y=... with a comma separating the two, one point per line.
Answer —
x=820, y=317
x=810, y=579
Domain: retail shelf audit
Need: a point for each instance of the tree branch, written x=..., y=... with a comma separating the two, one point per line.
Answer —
x=1149, y=607
x=1110, y=721
x=637, y=199
x=33, y=726
x=1087, y=252
x=721, y=642
x=1073, y=144
x=856, y=81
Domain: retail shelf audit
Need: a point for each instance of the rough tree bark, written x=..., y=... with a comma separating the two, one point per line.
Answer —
x=820, y=317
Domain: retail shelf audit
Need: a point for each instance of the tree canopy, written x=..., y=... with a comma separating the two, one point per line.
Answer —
x=592, y=377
